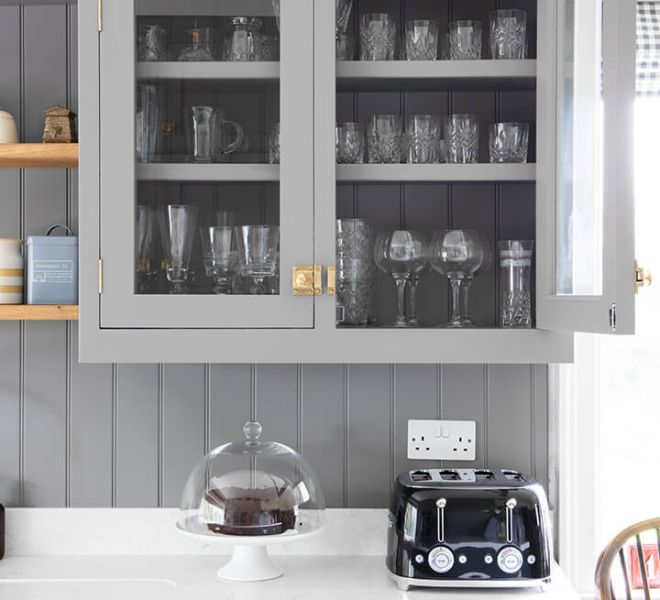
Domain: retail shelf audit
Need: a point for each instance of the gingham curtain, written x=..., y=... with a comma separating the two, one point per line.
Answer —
x=648, y=48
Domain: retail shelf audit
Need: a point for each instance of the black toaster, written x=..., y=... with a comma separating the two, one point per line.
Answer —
x=468, y=528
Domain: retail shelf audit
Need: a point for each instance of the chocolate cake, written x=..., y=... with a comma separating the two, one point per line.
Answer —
x=237, y=511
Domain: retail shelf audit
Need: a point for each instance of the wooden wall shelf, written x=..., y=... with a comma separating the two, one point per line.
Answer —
x=43, y=156
x=35, y=312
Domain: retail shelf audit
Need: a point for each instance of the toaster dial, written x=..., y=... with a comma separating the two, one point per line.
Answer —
x=510, y=560
x=441, y=559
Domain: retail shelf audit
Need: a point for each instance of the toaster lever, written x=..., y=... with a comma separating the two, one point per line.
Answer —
x=511, y=503
x=441, y=503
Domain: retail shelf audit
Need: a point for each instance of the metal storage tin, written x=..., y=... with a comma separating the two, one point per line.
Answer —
x=52, y=268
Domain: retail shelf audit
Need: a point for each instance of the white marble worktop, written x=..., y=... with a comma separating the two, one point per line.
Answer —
x=111, y=554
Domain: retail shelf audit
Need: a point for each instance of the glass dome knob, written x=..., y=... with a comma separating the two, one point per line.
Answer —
x=252, y=430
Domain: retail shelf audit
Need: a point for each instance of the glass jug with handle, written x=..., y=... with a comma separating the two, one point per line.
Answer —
x=206, y=138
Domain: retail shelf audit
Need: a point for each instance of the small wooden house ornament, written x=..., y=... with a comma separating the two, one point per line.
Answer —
x=60, y=126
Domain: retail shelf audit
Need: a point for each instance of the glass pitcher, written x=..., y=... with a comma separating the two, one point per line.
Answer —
x=207, y=124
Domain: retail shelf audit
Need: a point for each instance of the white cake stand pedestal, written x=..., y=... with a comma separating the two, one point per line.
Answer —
x=250, y=560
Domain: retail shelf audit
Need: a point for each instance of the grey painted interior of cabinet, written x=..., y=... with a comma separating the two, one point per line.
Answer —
x=108, y=435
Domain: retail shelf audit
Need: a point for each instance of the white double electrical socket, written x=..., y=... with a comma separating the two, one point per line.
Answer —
x=442, y=440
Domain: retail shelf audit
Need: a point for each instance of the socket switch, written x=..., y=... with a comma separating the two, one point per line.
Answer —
x=442, y=440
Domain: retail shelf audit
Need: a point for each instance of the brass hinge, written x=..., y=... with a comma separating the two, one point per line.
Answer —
x=643, y=278
x=100, y=15
x=100, y=276
x=613, y=317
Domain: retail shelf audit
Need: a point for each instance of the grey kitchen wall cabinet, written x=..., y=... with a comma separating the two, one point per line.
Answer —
x=573, y=198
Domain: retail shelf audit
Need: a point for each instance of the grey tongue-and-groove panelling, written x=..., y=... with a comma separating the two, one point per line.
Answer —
x=127, y=435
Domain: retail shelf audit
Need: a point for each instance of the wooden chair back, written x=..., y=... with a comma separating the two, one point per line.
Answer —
x=614, y=553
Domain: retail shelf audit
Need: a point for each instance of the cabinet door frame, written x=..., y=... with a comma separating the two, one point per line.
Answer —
x=591, y=314
x=120, y=306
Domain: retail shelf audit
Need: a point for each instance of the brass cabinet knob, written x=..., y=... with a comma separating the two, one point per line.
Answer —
x=332, y=280
x=307, y=280
x=643, y=278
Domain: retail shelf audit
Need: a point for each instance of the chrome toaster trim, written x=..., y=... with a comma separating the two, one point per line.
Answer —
x=405, y=583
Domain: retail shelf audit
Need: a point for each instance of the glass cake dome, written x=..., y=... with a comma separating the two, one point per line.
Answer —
x=252, y=488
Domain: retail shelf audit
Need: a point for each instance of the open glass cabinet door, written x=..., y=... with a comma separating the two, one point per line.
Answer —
x=207, y=164
x=586, y=267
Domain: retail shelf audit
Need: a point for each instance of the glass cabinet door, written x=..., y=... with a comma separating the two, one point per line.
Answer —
x=587, y=279
x=206, y=163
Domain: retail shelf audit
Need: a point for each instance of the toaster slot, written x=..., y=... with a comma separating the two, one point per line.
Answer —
x=418, y=476
x=513, y=475
x=484, y=475
x=449, y=475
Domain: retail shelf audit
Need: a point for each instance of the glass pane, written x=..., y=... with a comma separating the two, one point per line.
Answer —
x=207, y=209
x=579, y=269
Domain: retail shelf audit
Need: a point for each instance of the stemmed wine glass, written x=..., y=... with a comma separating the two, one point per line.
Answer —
x=403, y=255
x=258, y=252
x=457, y=254
x=177, y=227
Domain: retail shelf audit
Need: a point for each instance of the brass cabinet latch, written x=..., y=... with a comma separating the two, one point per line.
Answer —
x=307, y=280
x=332, y=280
x=100, y=15
x=643, y=278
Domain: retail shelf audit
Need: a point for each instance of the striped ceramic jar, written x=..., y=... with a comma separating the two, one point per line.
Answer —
x=11, y=271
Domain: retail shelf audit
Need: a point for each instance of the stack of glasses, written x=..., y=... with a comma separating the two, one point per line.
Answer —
x=356, y=276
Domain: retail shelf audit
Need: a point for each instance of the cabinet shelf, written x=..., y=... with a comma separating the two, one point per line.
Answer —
x=436, y=173
x=240, y=73
x=44, y=156
x=207, y=172
x=457, y=75
x=35, y=312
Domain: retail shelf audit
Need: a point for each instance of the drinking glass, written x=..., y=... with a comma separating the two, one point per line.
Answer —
x=508, y=34
x=345, y=46
x=266, y=47
x=145, y=235
x=147, y=116
x=274, y=145
x=462, y=137
x=258, y=253
x=151, y=44
x=207, y=255
x=384, y=138
x=223, y=254
x=508, y=142
x=377, y=37
x=177, y=227
x=206, y=138
x=276, y=10
x=350, y=142
x=465, y=40
x=200, y=47
x=515, y=283
x=422, y=40
x=342, y=15
x=402, y=254
x=457, y=254
x=423, y=137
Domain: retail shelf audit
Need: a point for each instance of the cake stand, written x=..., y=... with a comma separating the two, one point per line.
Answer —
x=250, y=560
